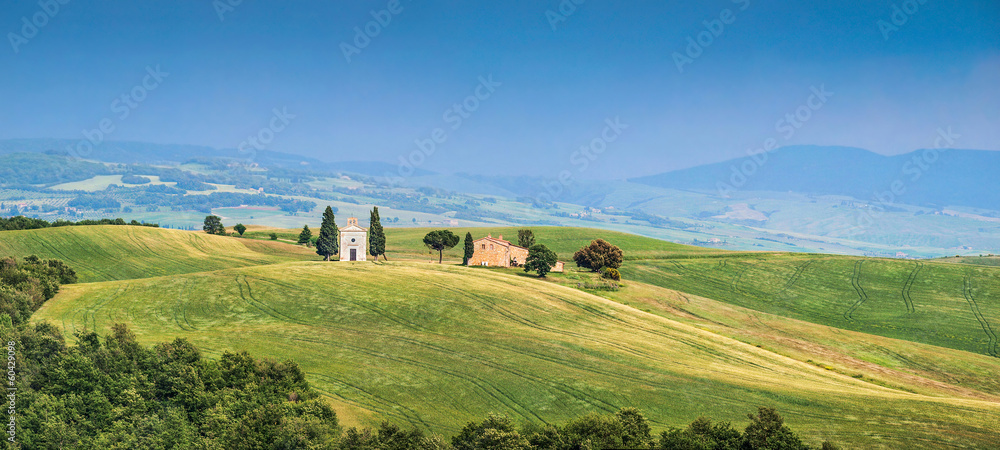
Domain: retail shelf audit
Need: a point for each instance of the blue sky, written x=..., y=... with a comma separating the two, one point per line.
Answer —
x=561, y=76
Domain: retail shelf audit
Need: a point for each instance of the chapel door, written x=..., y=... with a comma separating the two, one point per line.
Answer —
x=354, y=254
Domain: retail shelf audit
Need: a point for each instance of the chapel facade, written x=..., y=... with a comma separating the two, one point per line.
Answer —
x=353, y=241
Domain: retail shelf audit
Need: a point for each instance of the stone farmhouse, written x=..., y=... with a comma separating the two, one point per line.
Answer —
x=353, y=241
x=496, y=252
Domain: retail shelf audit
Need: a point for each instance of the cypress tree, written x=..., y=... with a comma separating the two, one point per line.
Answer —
x=376, y=236
x=328, y=243
x=305, y=235
x=470, y=249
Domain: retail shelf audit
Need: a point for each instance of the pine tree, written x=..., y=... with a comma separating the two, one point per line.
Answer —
x=305, y=235
x=441, y=240
x=376, y=236
x=470, y=249
x=328, y=243
x=525, y=238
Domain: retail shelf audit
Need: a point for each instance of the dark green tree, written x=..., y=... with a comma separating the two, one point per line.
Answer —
x=496, y=432
x=213, y=225
x=305, y=235
x=470, y=249
x=440, y=240
x=767, y=430
x=599, y=254
x=540, y=259
x=376, y=236
x=240, y=228
x=702, y=433
x=328, y=243
x=525, y=238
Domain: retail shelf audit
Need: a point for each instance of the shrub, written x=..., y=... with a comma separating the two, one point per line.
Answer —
x=274, y=236
x=611, y=274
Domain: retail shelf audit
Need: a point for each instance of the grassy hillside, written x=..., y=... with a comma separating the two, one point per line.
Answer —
x=906, y=365
x=950, y=305
x=101, y=253
x=458, y=343
x=900, y=355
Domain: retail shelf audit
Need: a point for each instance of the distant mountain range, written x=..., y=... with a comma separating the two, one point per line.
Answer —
x=932, y=177
x=146, y=153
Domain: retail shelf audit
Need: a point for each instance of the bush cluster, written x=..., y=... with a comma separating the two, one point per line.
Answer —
x=115, y=393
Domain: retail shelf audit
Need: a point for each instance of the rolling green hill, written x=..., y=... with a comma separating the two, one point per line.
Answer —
x=101, y=253
x=865, y=352
x=459, y=342
x=948, y=305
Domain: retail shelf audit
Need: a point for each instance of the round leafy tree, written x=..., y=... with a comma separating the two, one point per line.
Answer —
x=598, y=255
x=540, y=259
x=213, y=225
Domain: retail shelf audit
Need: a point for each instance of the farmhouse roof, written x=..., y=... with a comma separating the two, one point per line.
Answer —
x=498, y=241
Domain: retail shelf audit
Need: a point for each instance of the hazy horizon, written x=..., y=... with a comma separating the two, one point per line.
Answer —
x=550, y=78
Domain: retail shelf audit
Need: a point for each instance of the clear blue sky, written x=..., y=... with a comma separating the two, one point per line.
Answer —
x=558, y=85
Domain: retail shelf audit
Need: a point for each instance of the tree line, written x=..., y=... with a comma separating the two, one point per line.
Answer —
x=29, y=223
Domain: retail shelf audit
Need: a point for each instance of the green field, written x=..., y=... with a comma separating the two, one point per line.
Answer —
x=101, y=182
x=948, y=305
x=693, y=332
x=102, y=253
